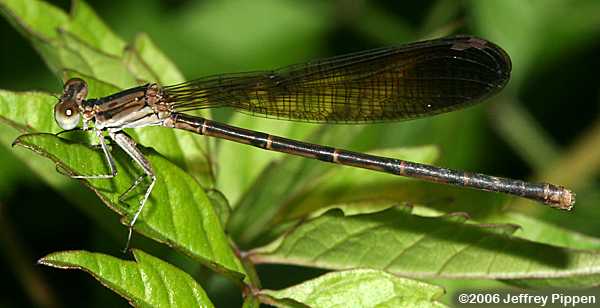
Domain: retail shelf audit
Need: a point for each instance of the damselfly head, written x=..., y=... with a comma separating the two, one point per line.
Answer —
x=67, y=112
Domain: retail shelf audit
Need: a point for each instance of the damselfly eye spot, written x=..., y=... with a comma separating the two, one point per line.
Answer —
x=66, y=114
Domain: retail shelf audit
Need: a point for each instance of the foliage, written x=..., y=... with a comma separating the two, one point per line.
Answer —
x=231, y=208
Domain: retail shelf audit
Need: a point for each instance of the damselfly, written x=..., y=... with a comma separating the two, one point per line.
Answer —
x=386, y=84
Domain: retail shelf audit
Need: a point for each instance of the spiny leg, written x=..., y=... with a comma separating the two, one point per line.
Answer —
x=129, y=146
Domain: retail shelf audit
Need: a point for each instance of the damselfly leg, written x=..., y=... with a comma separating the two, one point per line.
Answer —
x=129, y=146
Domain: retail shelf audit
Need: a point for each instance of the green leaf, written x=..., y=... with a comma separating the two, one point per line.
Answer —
x=145, y=282
x=446, y=247
x=74, y=46
x=191, y=226
x=537, y=230
x=36, y=18
x=358, y=288
x=220, y=204
x=27, y=112
x=90, y=28
x=102, y=66
x=245, y=164
x=154, y=60
x=45, y=25
x=276, y=196
x=177, y=213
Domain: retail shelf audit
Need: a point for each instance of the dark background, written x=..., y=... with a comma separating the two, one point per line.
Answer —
x=554, y=92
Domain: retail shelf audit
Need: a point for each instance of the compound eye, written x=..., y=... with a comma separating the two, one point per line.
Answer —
x=76, y=89
x=66, y=114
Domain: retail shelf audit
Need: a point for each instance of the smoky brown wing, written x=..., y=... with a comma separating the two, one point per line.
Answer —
x=387, y=84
